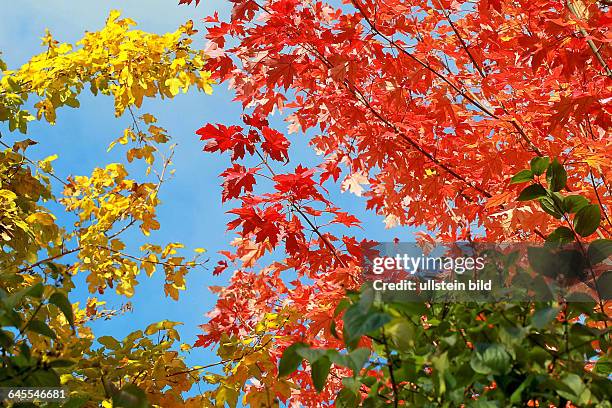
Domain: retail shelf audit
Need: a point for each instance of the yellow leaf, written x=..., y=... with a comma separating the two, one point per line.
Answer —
x=45, y=164
x=114, y=15
x=158, y=326
x=150, y=266
x=170, y=249
x=41, y=218
x=8, y=195
x=148, y=118
x=174, y=85
x=171, y=291
x=226, y=395
x=117, y=245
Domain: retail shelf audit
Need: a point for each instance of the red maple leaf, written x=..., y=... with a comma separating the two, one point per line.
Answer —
x=346, y=219
x=275, y=144
x=299, y=185
x=282, y=71
x=237, y=179
x=264, y=224
x=221, y=266
x=255, y=120
x=223, y=138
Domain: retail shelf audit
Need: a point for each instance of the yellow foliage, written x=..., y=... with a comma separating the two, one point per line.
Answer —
x=249, y=361
x=39, y=258
x=118, y=60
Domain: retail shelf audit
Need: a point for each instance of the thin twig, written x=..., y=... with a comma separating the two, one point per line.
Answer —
x=315, y=229
x=391, y=370
x=592, y=45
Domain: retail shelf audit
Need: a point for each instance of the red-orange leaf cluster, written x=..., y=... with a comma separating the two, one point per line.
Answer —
x=426, y=108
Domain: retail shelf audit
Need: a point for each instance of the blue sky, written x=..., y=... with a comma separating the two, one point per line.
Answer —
x=191, y=211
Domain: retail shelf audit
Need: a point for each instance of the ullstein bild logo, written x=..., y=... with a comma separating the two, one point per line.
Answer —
x=486, y=271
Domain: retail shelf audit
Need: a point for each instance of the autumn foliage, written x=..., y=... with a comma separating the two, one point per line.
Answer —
x=427, y=110
x=477, y=121
x=47, y=341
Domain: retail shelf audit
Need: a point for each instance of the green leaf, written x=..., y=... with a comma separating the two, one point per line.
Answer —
x=581, y=297
x=441, y=365
x=586, y=221
x=579, y=303
x=522, y=177
x=573, y=389
x=494, y=360
x=366, y=299
x=6, y=339
x=351, y=383
x=35, y=291
x=561, y=235
x=603, y=366
x=574, y=203
x=333, y=329
x=410, y=308
x=9, y=317
x=320, y=371
x=539, y=165
x=543, y=261
x=482, y=403
x=532, y=192
x=558, y=200
x=40, y=327
x=76, y=402
x=358, y=358
x=26, y=353
x=347, y=399
x=556, y=176
x=542, y=317
x=61, y=363
x=311, y=354
x=44, y=378
x=357, y=322
x=400, y=333
x=14, y=299
x=515, y=398
x=61, y=301
x=548, y=205
x=290, y=359
x=342, y=305
x=599, y=250
x=355, y=360
x=369, y=381
x=571, y=263
x=130, y=396
x=604, y=284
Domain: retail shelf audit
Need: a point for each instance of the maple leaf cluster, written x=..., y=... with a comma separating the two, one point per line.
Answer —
x=426, y=109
